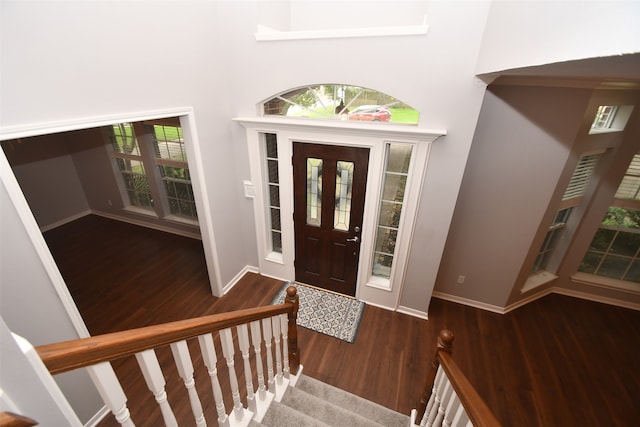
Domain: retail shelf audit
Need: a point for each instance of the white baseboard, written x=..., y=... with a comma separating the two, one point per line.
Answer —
x=140, y=223
x=531, y=298
x=413, y=312
x=469, y=302
x=237, y=277
x=95, y=420
x=596, y=298
x=65, y=221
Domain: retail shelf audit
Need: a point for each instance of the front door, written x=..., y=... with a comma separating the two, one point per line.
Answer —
x=329, y=190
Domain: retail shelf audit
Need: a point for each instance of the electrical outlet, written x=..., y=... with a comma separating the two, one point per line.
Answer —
x=461, y=279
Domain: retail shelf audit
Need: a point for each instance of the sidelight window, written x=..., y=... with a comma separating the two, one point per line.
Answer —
x=398, y=158
x=273, y=191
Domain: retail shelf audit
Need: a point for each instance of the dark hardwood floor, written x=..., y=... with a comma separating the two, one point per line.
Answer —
x=556, y=361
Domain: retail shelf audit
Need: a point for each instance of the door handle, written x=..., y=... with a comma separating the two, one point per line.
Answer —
x=355, y=239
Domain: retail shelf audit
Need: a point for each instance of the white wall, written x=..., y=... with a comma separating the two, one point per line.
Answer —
x=29, y=304
x=432, y=73
x=28, y=390
x=45, y=171
x=77, y=61
x=526, y=33
x=524, y=138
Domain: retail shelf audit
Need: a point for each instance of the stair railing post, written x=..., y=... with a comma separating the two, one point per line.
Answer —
x=445, y=344
x=292, y=335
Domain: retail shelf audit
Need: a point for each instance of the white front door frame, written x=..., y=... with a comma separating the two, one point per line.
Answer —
x=371, y=289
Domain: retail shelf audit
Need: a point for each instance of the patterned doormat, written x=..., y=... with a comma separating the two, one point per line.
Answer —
x=325, y=312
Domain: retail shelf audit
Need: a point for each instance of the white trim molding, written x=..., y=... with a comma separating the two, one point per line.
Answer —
x=375, y=137
x=265, y=33
x=552, y=290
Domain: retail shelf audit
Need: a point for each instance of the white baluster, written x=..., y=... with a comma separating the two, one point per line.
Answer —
x=155, y=381
x=268, y=337
x=256, y=338
x=284, y=326
x=182, y=357
x=444, y=401
x=241, y=416
x=275, y=321
x=432, y=398
x=281, y=383
x=111, y=392
x=452, y=408
x=243, y=343
x=439, y=394
x=210, y=359
x=461, y=419
x=264, y=397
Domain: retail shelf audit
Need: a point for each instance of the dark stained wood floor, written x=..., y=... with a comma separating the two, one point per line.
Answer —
x=556, y=361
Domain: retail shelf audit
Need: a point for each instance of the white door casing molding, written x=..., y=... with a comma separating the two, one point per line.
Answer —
x=187, y=121
x=374, y=290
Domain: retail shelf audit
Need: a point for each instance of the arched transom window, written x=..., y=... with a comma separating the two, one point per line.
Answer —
x=341, y=102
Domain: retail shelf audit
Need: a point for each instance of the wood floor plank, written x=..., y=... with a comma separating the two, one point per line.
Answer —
x=555, y=361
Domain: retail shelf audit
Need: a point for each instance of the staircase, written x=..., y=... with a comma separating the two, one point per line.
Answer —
x=283, y=396
x=312, y=403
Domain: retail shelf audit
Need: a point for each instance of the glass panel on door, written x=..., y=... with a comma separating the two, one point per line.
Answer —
x=314, y=191
x=344, y=188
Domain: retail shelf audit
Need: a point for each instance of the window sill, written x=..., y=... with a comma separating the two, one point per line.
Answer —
x=606, y=282
x=269, y=34
x=379, y=283
x=538, y=279
x=181, y=220
x=140, y=211
x=275, y=257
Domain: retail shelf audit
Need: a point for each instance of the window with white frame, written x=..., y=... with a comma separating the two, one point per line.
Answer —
x=171, y=160
x=128, y=157
x=152, y=161
x=572, y=197
x=398, y=158
x=273, y=191
x=604, y=117
x=341, y=102
x=614, y=251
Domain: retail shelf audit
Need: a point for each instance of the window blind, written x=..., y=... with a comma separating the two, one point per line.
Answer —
x=630, y=185
x=581, y=176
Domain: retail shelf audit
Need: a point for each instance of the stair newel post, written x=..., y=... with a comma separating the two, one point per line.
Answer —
x=210, y=360
x=243, y=343
x=181, y=355
x=292, y=338
x=155, y=381
x=445, y=343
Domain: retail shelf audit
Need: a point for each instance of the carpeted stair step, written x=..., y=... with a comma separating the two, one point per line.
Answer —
x=323, y=411
x=352, y=403
x=281, y=415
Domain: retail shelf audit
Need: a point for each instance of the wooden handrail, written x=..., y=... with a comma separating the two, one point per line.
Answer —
x=9, y=419
x=477, y=410
x=69, y=355
x=475, y=407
